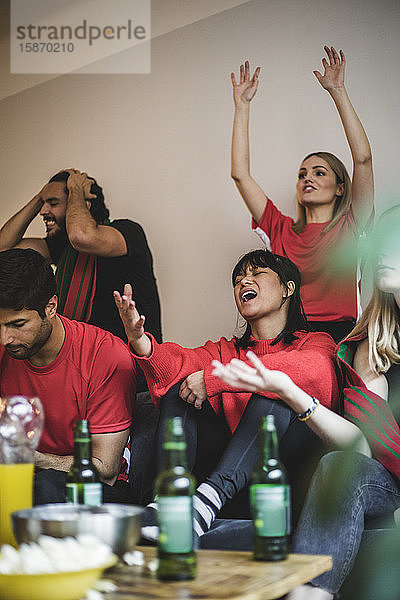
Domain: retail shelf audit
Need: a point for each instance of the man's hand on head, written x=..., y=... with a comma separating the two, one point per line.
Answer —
x=80, y=180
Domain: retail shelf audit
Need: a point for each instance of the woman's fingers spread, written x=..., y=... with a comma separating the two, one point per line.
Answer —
x=140, y=322
x=256, y=74
x=245, y=376
x=335, y=55
x=234, y=381
x=242, y=372
x=126, y=302
x=215, y=363
x=329, y=53
x=239, y=364
x=318, y=75
x=249, y=378
x=256, y=362
x=225, y=375
x=128, y=290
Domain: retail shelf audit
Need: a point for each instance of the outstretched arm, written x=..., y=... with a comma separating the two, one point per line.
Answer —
x=85, y=235
x=243, y=92
x=11, y=234
x=329, y=426
x=332, y=80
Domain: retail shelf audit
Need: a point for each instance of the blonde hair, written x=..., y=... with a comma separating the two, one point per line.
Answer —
x=342, y=203
x=381, y=319
x=380, y=322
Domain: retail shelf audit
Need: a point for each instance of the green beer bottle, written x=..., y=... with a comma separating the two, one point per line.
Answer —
x=174, y=495
x=270, y=498
x=83, y=481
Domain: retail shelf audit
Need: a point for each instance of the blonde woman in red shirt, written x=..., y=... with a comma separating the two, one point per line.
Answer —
x=332, y=209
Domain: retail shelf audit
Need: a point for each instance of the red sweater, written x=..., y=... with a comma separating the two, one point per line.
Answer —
x=309, y=361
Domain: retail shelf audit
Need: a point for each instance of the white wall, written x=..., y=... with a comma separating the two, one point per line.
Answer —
x=160, y=143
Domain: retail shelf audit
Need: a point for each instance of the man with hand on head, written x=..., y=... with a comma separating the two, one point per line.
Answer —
x=77, y=370
x=93, y=255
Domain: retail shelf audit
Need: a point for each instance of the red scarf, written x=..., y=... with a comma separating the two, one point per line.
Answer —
x=76, y=282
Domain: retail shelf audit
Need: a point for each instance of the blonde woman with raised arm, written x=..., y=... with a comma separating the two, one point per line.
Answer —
x=332, y=209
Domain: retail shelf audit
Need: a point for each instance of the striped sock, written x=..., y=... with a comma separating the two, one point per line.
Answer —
x=206, y=505
x=149, y=524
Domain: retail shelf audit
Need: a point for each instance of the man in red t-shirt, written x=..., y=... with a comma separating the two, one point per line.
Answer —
x=77, y=370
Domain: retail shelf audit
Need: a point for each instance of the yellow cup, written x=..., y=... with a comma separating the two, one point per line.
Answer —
x=16, y=491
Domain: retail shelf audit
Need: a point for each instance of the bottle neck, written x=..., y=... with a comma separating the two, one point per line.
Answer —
x=82, y=450
x=175, y=454
x=269, y=449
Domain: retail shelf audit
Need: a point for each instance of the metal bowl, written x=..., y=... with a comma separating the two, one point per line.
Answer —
x=118, y=525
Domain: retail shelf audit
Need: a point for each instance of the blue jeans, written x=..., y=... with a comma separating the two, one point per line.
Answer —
x=344, y=490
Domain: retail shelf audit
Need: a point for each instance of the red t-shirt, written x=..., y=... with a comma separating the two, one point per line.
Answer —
x=93, y=377
x=308, y=360
x=327, y=262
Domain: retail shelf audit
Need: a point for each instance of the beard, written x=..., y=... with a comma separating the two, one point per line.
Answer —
x=24, y=351
x=54, y=226
x=56, y=242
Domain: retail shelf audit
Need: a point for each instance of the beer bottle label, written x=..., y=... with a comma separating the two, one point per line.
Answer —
x=84, y=493
x=175, y=520
x=271, y=509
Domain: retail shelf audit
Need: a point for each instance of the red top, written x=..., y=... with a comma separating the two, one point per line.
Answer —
x=327, y=262
x=93, y=377
x=309, y=361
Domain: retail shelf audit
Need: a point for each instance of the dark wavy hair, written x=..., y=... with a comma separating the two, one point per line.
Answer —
x=98, y=209
x=27, y=280
x=286, y=271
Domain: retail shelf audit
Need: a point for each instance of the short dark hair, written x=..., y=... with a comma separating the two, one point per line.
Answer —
x=27, y=280
x=286, y=271
x=98, y=209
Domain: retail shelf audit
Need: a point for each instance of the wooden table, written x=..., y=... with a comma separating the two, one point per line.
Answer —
x=220, y=575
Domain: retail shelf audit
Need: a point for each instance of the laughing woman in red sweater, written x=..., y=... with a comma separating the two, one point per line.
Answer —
x=221, y=423
x=332, y=210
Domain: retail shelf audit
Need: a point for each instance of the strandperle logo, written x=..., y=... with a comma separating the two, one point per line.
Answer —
x=80, y=36
x=81, y=32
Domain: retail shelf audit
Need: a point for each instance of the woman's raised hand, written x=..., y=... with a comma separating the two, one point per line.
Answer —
x=240, y=375
x=245, y=90
x=333, y=77
x=133, y=322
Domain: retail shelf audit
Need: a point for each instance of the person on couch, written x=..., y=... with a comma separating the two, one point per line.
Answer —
x=221, y=422
x=78, y=371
